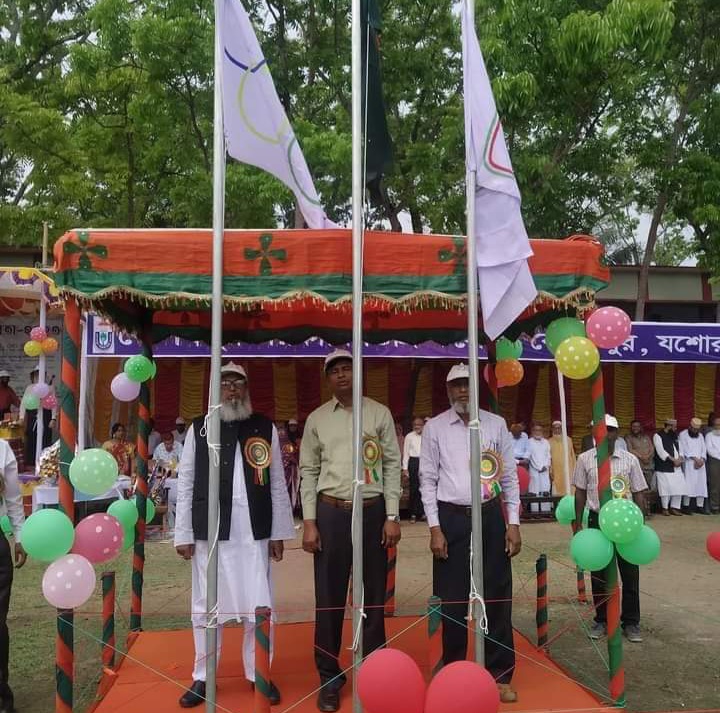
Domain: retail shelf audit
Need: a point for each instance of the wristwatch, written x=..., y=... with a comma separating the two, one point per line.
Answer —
x=393, y=518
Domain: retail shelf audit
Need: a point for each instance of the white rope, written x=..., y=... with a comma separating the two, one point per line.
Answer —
x=358, y=629
x=213, y=448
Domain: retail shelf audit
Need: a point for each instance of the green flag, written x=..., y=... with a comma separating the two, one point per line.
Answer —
x=378, y=147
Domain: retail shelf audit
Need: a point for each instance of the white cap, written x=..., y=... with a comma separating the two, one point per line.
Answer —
x=292, y=422
x=4, y=372
x=611, y=421
x=232, y=368
x=335, y=356
x=695, y=422
x=459, y=371
x=179, y=421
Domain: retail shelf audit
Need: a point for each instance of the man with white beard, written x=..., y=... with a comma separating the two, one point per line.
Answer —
x=255, y=517
x=693, y=451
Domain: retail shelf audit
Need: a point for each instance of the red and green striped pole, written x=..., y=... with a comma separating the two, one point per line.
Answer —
x=435, y=634
x=541, y=609
x=262, y=660
x=494, y=398
x=390, y=582
x=108, y=619
x=64, y=661
x=612, y=591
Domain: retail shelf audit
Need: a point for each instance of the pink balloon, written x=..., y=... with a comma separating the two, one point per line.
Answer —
x=389, y=680
x=38, y=334
x=462, y=687
x=713, y=545
x=98, y=538
x=50, y=402
x=608, y=327
x=41, y=390
x=523, y=479
x=68, y=582
x=123, y=389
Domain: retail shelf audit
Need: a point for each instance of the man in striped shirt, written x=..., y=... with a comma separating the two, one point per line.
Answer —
x=627, y=481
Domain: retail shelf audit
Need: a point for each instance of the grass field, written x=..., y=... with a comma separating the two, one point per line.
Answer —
x=676, y=668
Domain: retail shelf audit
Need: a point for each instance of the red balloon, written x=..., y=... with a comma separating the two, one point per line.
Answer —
x=389, y=680
x=523, y=479
x=462, y=687
x=713, y=545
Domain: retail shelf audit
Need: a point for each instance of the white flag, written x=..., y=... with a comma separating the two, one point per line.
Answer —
x=256, y=127
x=505, y=283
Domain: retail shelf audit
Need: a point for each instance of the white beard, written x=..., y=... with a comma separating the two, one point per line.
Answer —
x=236, y=409
x=460, y=407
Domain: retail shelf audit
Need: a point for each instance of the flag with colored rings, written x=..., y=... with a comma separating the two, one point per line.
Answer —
x=258, y=455
x=372, y=453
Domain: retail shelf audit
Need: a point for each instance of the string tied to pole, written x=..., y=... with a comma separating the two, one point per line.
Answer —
x=213, y=447
x=475, y=597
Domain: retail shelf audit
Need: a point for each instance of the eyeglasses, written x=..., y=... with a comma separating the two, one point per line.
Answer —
x=232, y=383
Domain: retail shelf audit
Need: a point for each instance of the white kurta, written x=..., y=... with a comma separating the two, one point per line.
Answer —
x=695, y=478
x=539, y=468
x=672, y=484
x=243, y=562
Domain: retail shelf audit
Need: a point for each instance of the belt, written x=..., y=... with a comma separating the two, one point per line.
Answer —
x=466, y=509
x=346, y=504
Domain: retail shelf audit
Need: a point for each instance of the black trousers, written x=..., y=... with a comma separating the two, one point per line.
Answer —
x=332, y=572
x=630, y=576
x=6, y=578
x=451, y=582
x=416, y=506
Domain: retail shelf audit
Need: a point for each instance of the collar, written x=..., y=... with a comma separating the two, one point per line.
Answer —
x=336, y=404
x=455, y=416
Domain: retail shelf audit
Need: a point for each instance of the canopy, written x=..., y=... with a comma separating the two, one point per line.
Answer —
x=295, y=284
x=21, y=289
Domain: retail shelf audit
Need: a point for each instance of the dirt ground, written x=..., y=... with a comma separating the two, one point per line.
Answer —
x=676, y=668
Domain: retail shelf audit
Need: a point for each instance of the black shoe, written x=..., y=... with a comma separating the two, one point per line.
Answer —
x=194, y=696
x=328, y=701
x=274, y=696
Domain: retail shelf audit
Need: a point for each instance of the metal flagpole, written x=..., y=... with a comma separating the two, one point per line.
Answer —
x=40, y=420
x=82, y=400
x=563, y=421
x=475, y=433
x=357, y=292
x=213, y=419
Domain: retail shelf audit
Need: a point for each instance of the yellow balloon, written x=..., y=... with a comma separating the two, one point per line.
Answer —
x=32, y=348
x=577, y=358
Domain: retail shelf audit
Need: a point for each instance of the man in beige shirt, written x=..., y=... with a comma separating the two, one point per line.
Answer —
x=326, y=490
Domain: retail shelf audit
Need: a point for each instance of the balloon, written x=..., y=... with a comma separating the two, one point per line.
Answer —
x=37, y=334
x=69, y=582
x=608, y=327
x=50, y=402
x=462, y=687
x=93, y=471
x=712, y=543
x=31, y=402
x=523, y=479
x=621, y=520
x=98, y=538
x=138, y=368
x=561, y=329
x=47, y=534
x=488, y=371
x=389, y=680
x=565, y=510
x=505, y=349
x=49, y=345
x=128, y=539
x=41, y=390
x=591, y=550
x=586, y=517
x=644, y=549
x=149, y=509
x=577, y=358
x=123, y=389
x=125, y=511
x=32, y=349
x=509, y=373
x=6, y=525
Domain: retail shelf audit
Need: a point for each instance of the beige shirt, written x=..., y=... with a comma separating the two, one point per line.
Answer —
x=326, y=456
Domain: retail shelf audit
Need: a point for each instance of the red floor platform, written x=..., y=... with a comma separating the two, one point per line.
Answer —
x=159, y=664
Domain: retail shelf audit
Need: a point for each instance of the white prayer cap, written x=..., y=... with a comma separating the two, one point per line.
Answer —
x=232, y=368
x=336, y=355
x=4, y=373
x=459, y=371
x=293, y=422
x=611, y=421
x=695, y=422
x=179, y=421
x=557, y=423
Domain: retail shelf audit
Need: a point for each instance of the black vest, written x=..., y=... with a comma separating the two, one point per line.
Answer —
x=670, y=444
x=258, y=494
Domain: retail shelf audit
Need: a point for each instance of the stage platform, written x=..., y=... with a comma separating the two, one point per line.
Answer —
x=159, y=664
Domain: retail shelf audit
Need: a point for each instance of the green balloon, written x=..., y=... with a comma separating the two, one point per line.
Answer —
x=591, y=550
x=586, y=517
x=149, y=509
x=644, y=549
x=128, y=538
x=125, y=511
x=505, y=349
x=94, y=471
x=6, y=525
x=621, y=520
x=31, y=402
x=565, y=510
x=138, y=368
x=48, y=534
x=561, y=329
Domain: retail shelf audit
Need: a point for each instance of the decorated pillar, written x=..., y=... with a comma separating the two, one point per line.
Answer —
x=541, y=612
x=64, y=661
x=262, y=660
x=390, y=582
x=69, y=394
x=108, y=619
x=435, y=634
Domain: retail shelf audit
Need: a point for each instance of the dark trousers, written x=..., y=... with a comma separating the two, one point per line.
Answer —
x=451, y=582
x=416, y=506
x=630, y=576
x=332, y=572
x=713, y=477
x=6, y=578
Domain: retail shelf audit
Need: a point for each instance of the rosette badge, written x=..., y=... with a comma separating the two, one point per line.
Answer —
x=372, y=453
x=257, y=454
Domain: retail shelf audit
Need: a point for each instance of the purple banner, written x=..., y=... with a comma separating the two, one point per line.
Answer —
x=649, y=342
